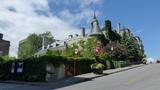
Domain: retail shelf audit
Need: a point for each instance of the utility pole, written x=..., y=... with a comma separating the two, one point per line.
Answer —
x=76, y=51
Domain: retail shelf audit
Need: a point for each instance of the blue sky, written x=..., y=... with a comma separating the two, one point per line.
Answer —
x=142, y=17
x=19, y=18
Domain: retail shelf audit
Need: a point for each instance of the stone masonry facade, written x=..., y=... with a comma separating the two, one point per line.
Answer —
x=4, y=46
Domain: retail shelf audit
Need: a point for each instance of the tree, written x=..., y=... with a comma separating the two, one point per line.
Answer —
x=86, y=48
x=53, y=53
x=48, y=37
x=6, y=58
x=33, y=43
x=116, y=51
x=29, y=46
x=108, y=25
x=130, y=43
x=104, y=56
x=113, y=36
x=110, y=35
x=107, y=28
x=89, y=47
x=103, y=39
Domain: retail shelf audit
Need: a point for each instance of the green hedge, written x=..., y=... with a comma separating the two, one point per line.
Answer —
x=4, y=70
x=35, y=68
x=120, y=64
x=82, y=65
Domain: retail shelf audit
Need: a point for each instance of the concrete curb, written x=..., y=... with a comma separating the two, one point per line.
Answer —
x=24, y=83
x=105, y=74
x=132, y=67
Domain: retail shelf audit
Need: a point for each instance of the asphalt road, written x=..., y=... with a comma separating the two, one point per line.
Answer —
x=141, y=78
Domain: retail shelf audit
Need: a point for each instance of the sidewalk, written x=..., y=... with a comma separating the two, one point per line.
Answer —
x=75, y=79
x=90, y=76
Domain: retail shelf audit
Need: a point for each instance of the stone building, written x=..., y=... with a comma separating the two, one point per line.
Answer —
x=95, y=29
x=4, y=46
x=61, y=44
x=21, y=54
x=125, y=31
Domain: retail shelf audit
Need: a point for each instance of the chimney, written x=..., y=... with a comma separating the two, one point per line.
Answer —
x=82, y=32
x=1, y=36
x=43, y=46
x=119, y=27
x=76, y=35
x=70, y=36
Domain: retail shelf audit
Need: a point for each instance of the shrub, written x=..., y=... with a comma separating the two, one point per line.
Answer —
x=104, y=56
x=82, y=65
x=116, y=51
x=97, y=66
x=120, y=64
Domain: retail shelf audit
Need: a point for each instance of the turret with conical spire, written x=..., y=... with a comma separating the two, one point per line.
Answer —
x=95, y=29
x=94, y=17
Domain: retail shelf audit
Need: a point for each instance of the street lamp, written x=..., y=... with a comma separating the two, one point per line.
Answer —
x=111, y=48
x=76, y=51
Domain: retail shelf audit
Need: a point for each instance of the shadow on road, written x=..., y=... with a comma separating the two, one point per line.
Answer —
x=69, y=82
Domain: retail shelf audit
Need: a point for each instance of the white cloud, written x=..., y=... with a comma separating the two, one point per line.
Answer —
x=85, y=14
x=82, y=11
x=17, y=25
x=80, y=3
x=26, y=6
x=86, y=3
x=19, y=18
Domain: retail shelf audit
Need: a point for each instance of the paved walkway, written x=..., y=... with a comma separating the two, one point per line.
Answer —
x=89, y=76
